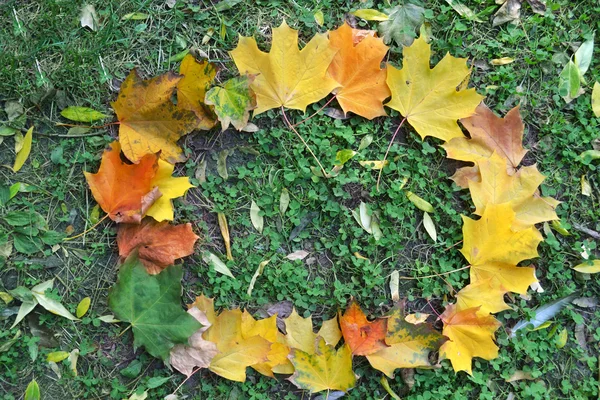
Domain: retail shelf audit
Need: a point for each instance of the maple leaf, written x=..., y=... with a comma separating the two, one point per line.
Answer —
x=409, y=345
x=236, y=353
x=157, y=325
x=192, y=88
x=323, y=369
x=198, y=352
x=170, y=188
x=300, y=334
x=401, y=24
x=486, y=295
x=489, y=134
x=362, y=336
x=428, y=98
x=356, y=66
x=149, y=121
x=286, y=77
x=470, y=334
x=207, y=306
x=493, y=249
x=124, y=191
x=233, y=101
x=159, y=244
x=520, y=190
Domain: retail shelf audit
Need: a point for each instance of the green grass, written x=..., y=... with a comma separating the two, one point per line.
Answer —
x=49, y=62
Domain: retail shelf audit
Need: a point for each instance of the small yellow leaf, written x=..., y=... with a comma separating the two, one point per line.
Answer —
x=6, y=298
x=369, y=14
x=419, y=202
x=319, y=17
x=586, y=188
x=83, y=307
x=57, y=356
x=374, y=164
x=416, y=318
x=429, y=226
x=596, y=99
x=225, y=233
x=562, y=338
x=542, y=326
x=360, y=256
x=502, y=61
x=588, y=267
x=23, y=154
x=170, y=187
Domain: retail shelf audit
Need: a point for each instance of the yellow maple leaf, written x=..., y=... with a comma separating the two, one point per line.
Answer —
x=300, y=334
x=428, y=98
x=484, y=294
x=170, y=188
x=409, y=345
x=470, y=334
x=323, y=369
x=191, y=89
x=207, y=306
x=149, y=121
x=520, y=190
x=494, y=249
x=356, y=66
x=287, y=76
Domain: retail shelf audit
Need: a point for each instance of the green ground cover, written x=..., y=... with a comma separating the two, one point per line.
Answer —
x=48, y=61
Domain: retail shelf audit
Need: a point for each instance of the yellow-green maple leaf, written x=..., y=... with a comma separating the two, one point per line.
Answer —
x=324, y=369
x=287, y=76
x=300, y=334
x=494, y=249
x=519, y=190
x=170, y=187
x=428, y=98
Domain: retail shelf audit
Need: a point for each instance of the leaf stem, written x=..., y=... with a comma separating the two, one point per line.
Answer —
x=388, y=150
x=316, y=112
x=125, y=330
x=325, y=174
x=87, y=230
x=185, y=380
x=434, y=275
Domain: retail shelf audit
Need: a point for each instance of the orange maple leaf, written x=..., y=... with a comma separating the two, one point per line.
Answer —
x=357, y=67
x=124, y=190
x=149, y=121
x=363, y=337
x=159, y=243
x=489, y=134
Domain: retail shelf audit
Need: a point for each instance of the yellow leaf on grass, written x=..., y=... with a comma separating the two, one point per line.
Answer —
x=493, y=249
x=520, y=190
x=323, y=369
x=300, y=334
x=357, y=67
x=470, y=334
x=57, y=356
x=191, y=89
x=428, y=98
x=588, y=267
x=149, y=121
x=23, y=154
x=483, y=294
x=287, y=76
x=83, y=307
x=596, y=99
x=170, y=187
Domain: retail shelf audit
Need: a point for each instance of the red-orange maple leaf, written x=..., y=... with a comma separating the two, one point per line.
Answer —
x=124, y=190
x=159, y=243
x=363, y=337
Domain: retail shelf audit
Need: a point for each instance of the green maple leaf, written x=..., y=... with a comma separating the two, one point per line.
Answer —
x=401, y=25
x=233, y=101
x=152, y=304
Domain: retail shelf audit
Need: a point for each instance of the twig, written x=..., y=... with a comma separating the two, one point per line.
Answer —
x=87, y=230
x=387, y=151
x=587, y=231
x=325, y=174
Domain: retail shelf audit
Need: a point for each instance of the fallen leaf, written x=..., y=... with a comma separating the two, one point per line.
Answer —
x=319, y=17
x=502, y=61
x=464, y=11
x=416, y=318
x=362, y=336
x=284, y=200
x=493, y=249
x=148, y=121
x=224, y=227
x=421, y=204
x=198, y=352
x=429, y=226
x=588, y=267
x=222, y=163
x=233, y=101
x=368, y=14
x=323, y=369
x=57, y=356
x=300, y=334
x=297, y=255
x=170, y=188
x=83, y=307
x=569, y=82
x=586, y=302
x=586, y=188
x=470, y=334
x=561, y=339
x=23, y=152
x=375, y=164
x=538, y=6
x=583, y=57
x=192, y=89
x=287, y=77
x=54, y=306
x=423, y=95
x=218, y=265
x=484, y=294
x=82, y=114
x=509, y=12
x=489, y=133
x=32, y=392
x=409, y=345
x=73, y=357
x=157, y=325
x=401, y=24
x=596, y=99
x=519, y=376
x=159, y=244
x=257, y=219
x=394, y=285
x=124, y=190
x=136, y=16
x=88, y=17
x=257, y=273
x=357, y=68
